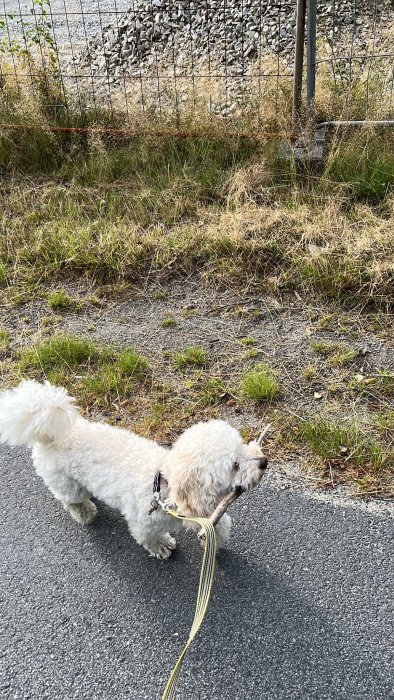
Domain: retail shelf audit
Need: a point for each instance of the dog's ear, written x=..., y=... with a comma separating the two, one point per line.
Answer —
x=192, y=497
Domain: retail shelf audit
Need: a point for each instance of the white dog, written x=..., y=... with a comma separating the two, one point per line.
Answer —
x=78, y=459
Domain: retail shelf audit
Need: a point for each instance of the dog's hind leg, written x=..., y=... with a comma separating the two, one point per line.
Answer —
x=74, y=497
x=84, y=513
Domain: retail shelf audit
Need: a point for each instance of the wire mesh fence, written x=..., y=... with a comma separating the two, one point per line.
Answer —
x=186, y=61
x=355, y=55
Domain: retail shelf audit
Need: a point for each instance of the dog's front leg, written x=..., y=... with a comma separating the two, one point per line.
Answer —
x=152, y=534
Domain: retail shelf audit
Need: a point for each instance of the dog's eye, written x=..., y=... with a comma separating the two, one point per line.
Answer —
x=235, y=466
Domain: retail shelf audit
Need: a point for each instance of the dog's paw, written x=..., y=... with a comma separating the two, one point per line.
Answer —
x=163, y=548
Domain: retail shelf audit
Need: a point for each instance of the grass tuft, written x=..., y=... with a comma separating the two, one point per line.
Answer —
x=168, y=323
x=60, y=352
x=247, y=341
x=261, y=384
x=60, y=300
x=4, y=341
x=99, y=370
x=344, y=443
x=193, y=356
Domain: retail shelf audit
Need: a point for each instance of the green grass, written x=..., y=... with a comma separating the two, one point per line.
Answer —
x=60, y=300
x=345, y=442
x=162, y=206
x=4, y=340
x=260, y=384
x=310, y=372
x=190, y=357
x=131, y=364
x=60, y=352
x=168, y=323
x=380, y=384
x=342, y=357
x=338, y=354
x=368, y=174
x=247, y=341
x=323, y=348
x=76, y=362
x=385, y=420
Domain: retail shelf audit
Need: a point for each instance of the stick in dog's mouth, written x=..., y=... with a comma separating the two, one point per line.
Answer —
x=233, y=495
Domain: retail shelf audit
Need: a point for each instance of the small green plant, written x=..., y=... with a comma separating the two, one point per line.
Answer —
x=342, y=357
x=211, y=392
x=310, y=372
x=60, y=352
x=168, y=323
x=59, y=300
x=193, y=356
x=247, y=341
x=325, y=322
x=4, y=340
x=339, y=354
x=261, y=384
x=251, y=354
x=323, y=348
x=131, y=364
x=23, y=37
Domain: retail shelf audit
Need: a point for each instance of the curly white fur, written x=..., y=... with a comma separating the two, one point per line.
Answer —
x=78, y=459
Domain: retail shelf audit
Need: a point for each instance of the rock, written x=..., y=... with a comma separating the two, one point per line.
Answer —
x=226, y=33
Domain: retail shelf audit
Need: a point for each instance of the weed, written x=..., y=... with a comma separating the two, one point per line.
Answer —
x=323, y=348
x=345, y=442
x=339, y=354
x=59, y=300
x=193, y=356
x=168, y=323
x=310, y=372
x=131, y=364
x=60, y=352
x=342, y=357
x=211, y=392
x=251, y=354
x=385, y=420
x=261, y=384
x=247, y=341
x=4, y=341
x=326, y=322
x=381, y=383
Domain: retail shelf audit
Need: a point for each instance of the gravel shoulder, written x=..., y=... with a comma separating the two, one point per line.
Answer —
x=293, y=337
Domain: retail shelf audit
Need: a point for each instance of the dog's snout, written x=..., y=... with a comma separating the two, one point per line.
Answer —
x=263, y=463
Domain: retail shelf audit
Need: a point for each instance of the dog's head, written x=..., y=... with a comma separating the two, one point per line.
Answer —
x=207, y=462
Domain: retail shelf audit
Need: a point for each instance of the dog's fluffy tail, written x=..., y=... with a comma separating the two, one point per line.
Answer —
x=34, y=412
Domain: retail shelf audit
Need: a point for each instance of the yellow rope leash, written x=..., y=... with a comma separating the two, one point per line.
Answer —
x=203, y=595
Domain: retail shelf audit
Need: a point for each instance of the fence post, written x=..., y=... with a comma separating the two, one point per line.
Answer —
x=311, y=57
x=298, y=63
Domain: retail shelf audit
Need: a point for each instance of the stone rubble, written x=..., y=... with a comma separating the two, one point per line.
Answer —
x=155, y=36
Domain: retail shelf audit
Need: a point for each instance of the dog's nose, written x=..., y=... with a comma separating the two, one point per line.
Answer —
x=263, y=463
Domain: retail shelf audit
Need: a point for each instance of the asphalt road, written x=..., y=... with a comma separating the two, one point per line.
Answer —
x=302, y=606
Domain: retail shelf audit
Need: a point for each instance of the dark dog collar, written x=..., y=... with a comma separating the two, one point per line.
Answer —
x=156, y=492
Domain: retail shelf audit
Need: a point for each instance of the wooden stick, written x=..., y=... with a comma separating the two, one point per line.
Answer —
x=222, y=507
x=264, y=434
x=233, y=495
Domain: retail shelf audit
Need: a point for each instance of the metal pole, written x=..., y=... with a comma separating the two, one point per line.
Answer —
x=298, y=63
x=311, y=56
